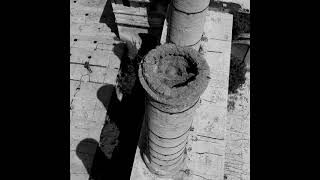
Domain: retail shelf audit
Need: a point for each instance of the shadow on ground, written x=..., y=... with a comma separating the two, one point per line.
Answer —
x=85, y=151
x=108, y=18
x=113, y=156
x=120, y=134
x=114, y=153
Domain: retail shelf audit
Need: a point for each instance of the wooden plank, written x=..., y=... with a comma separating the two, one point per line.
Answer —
x=138, y=11
x=140, y=21
x=131, y=22
x=129, y=17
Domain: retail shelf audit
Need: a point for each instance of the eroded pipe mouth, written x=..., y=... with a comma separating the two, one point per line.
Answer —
x=173, y=75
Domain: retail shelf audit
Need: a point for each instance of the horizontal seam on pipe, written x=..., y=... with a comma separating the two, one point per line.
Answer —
x=175, y=112
x=165, y=165
x=190, y=13
x=169, y=138
x=167, y=160
x=191, y=44
x=194, y=43
x=167, y=154
x=167, y=147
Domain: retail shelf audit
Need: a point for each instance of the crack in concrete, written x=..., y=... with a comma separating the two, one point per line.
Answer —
x=208, y=153
x=200, y=176
x=77, y=90
x=210, y=137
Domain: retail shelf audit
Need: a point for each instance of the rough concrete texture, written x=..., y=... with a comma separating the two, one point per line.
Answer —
x=237, y=163
x=185, y=28
x=207, y=139
x=167, y=137
x=174, y=76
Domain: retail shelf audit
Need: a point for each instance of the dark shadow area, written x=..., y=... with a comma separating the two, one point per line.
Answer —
x=156, y=12
x=237, y=74
x=149, y=42
x=93, y=159
x=109, y=18
x=120, y=134
x=86, y=150
x=104, y=94
x=126, y=2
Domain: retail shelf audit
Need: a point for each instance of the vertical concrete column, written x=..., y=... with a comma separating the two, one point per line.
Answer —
x=186, y=22
x=173, y=77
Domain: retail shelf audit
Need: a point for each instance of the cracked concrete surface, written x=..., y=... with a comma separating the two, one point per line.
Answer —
x=93, y=63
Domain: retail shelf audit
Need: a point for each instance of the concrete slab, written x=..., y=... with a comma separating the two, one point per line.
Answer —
x=91, y=42
x=237, y=155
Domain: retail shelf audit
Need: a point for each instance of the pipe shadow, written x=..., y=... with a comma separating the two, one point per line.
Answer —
x=113, y=156
x=121, y=131
x=120, y=134
x=86, y=150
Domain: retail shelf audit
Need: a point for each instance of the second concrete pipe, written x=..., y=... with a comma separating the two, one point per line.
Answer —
x=186, y=21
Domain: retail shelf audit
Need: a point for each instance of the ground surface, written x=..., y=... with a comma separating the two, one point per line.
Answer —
x=94, y=65
x=95, y=58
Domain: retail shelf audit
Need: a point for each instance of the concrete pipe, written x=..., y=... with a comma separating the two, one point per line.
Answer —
x=186, y=23
x=191, y=6
x=173, y=77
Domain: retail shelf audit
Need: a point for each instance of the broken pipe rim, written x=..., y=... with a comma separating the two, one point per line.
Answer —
x=198, y=85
